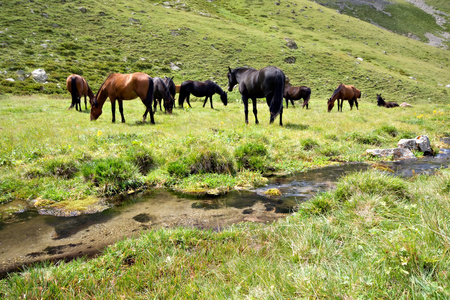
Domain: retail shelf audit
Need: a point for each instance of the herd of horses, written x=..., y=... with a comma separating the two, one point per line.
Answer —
x=269, y=82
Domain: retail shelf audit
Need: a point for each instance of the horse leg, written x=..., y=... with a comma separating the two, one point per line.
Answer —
x=206, y=100
x=340, y=104
x=245, y=100
x=187, y=100
x=351, y=104
x=121, y=110
x=287, y=102
x=210, y=99
x=356, y=103
x=255, y=111
x=281, y=117
x=85, y=103
x=113, y=110
x=292, y=101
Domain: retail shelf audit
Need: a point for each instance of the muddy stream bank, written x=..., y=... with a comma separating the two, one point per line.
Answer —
x=30, y=237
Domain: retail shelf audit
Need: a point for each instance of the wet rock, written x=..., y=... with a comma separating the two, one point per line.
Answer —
x=290, y=43
x=395, y=153
x=174, y=67
x=420, y=143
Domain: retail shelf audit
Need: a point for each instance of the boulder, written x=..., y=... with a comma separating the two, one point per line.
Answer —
x=395, y=153
x=420, y=143
x=39, y=75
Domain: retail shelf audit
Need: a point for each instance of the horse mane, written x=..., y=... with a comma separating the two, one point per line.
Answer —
x=337, y=90
x=96, y=95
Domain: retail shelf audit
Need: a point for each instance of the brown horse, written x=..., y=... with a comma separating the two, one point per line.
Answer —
x=296, y=93
x=381, y=102
x=344, y=92
x=77, y=87
x=124, y=87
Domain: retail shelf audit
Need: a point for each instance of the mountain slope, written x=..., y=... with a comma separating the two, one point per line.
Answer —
x=203, y=38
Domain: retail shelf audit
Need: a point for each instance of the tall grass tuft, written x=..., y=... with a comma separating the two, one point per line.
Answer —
x=112, y=175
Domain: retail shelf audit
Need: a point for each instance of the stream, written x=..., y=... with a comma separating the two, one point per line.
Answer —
x=31, y=237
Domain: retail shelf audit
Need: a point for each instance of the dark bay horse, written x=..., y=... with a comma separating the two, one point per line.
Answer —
x=381, y=102
x=169, y=82
x=161, y=91
x=268, y=82
x=77, y=87
x=201, y=89
x=124, y=87
x=296, y=93
x=344, y=92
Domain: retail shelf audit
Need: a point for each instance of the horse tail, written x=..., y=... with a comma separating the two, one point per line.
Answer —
x=308, y=96
x=277, y=100
x=74, y=91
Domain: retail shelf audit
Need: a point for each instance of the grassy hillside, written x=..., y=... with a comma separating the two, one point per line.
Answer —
x=95, y=38
x=399, y=16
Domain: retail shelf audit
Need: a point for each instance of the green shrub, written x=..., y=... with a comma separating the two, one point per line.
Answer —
x=112, y=175
x=387, y=129
x=251, y=156
x=366, y=139
x=141, y=157
x=321, y=204
x=210, y=161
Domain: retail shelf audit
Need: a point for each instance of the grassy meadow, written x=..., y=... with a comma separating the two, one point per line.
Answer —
x=375, y=236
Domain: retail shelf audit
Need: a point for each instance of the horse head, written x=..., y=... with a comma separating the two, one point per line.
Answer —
x=224, y=98
x=330, y=104
x=232, y=81
x=380, y=101
x=96, y=111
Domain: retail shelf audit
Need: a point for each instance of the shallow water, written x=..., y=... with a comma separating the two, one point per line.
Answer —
x=31, y=237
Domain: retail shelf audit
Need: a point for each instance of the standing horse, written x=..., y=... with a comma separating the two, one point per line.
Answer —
x=77, y=87
x=296, y=93
x=381, y=102
x=124, y=87
x=201, y=89
x=344, y=92
x=161, y=91
x=268, y=82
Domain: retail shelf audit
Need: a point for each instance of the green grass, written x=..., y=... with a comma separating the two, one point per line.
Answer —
x=387, y=238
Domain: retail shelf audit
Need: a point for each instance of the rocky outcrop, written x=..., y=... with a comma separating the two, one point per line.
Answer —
x=405, y=148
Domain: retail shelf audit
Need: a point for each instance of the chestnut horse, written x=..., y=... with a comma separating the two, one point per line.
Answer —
x=344, y=92
x=124, y=87
x=268, y=82
x=296, y=93
x=381, y=102
x=77, y=87
x=201, y=89
x=161, y=91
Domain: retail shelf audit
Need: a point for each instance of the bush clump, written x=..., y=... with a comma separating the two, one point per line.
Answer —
x=251, y=156
x=60, y=168
x=142, y=158
x=112, y=175
x=202, y=162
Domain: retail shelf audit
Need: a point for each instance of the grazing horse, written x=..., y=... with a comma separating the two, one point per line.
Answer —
x=201, y=89
x=268, y=82
x=124, y=87
x=381, y=102
x=161, y=91
x=344, y=92
x=169, y=82
x=296, y=93
x=77, y=87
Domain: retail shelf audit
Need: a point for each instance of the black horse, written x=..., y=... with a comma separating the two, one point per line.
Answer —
x=267, y=82
x=201, y=89
x=381, y=102
x=161, y=91
x=169, y=82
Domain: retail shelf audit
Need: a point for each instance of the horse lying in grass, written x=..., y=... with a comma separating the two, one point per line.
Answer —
x=201, y=89
x=124, y=87
x=296, y=93
x=344, y=92
x=381, y=102
x=77, y=87
x=268, y=82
